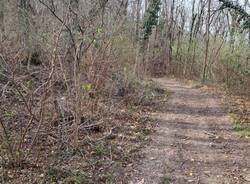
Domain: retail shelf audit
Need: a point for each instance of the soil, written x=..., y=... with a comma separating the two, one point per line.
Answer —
x=194, y=142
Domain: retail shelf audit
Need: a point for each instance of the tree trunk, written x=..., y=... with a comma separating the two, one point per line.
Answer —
x=171, y=33
x=24, y=23
x=233, y=30
x=25, y=30
x=74, y=4
x=146, y=5
x=2, y=29
x=192, y=27
x=207, y=41
x=138, y=17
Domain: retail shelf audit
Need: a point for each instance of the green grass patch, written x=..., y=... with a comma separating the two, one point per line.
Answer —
x=108, y=178
x=240, y=127
x=100, y=150
x=57, y=175
x=165, y=180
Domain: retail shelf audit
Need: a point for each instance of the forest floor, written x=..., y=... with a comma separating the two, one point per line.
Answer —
x=195, y=142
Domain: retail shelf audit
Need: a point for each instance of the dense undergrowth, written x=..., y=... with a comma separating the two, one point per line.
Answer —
x=113, y=125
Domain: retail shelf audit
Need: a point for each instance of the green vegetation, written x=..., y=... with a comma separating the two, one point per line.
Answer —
x=242, y=128
x=55, y=175
x=165, y=180
x=151, y=18
x=100, y=150
x=243, y=15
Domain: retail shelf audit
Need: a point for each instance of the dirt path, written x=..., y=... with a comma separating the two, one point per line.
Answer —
x=194, y=142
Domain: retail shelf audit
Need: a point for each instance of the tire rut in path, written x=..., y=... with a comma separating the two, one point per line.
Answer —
x=194, y=142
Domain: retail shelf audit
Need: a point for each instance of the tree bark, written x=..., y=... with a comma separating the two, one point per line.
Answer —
x=74, y=4
x=25, y=30
x=2, y=28
x=207, y=36
x=192, y=27
x=138, y=17
x=24, y=23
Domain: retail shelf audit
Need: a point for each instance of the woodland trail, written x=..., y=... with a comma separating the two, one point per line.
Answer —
x=194, y=142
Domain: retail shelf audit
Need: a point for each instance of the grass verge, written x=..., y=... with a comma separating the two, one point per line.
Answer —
x=240, y=127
